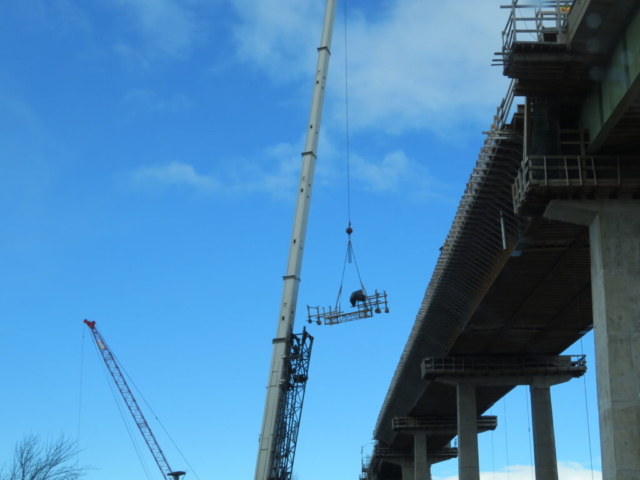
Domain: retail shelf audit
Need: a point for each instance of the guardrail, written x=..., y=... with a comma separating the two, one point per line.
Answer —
x=556, y=173
x=447, y=452
x=536, y=22
x=433, y=367
x=489, y=422
x=503, y=112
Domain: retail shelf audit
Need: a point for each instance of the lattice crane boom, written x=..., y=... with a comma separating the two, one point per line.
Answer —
x=281, y=415
x=131, y=403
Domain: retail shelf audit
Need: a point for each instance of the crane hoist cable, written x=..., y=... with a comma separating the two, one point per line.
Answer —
x=365, y=304
x=350, y=257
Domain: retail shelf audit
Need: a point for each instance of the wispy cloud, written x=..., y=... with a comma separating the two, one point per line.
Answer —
x=397, y=174
x=277, y=171
x=60, y=16
x=566, y=471
x=167, y=27
x=431, y=65
x=275, y=35
x=174, y=174
x=140, y=99
x=418, y=66
x=276, y=175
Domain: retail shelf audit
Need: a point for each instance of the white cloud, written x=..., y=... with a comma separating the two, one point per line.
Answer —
x=60, y=16
x=276, y=175
x=174, y=174
x=131, y=55
x=425, y=65
x=566, y=471
x=396, y=173
x=150, y=101
x=418, y=65
x=168, y=27
x=276, y=35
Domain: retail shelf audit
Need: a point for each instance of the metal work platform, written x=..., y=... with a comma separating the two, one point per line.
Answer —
x=332, y=316
x=445, y=423
x=443, y=453
x=433, y=367
x=541, y=29
x=573, y=176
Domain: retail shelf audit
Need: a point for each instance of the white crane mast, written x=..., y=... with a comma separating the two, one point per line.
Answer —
x=286, y=318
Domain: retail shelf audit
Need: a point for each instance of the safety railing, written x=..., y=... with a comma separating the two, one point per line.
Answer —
x=503, y=114
x=392, y=452
x=486, y=422
x=557, y=173
x=536, y=22
x=433, y=367
x=447, y=452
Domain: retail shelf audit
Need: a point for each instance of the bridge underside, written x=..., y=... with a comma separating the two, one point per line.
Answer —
x=510, y=282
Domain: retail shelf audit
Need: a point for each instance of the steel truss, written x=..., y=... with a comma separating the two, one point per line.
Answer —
x=296, y=373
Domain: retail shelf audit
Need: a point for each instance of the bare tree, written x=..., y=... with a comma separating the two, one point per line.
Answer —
x=33, y=460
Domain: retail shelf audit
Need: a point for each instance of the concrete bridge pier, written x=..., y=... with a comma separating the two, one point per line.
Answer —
x=546, y=465
x=407, y=464
x=408, y=471
x=418, y=466
x=421, y=428
x=544, y=441
x=421, y=465
x=468, y=457
x=540, y=373
x=614, y=232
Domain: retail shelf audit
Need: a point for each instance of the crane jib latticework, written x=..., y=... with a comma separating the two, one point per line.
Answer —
x=131, y=403
x=290, y=408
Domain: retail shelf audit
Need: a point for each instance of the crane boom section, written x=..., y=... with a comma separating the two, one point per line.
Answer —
x=129, y=400
x=282, y=342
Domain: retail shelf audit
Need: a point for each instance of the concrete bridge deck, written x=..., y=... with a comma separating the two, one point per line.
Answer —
x=527, y=291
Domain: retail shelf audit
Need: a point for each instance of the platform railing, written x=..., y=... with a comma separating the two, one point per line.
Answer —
x=554, y=173
x=536, y=22
x=472, y=366
x=487, y=422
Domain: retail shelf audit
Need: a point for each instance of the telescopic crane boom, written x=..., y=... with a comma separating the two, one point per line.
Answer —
x=282, y=416
x=130, y=400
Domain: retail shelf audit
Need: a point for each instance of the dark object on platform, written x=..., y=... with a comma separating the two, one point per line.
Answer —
x=357, y=296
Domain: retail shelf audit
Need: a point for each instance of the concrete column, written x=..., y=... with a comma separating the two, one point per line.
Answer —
x=544, y=442
x=468, y=461
x=407, y=471
x=420, y=462
x=615, y=287
x=614, y=230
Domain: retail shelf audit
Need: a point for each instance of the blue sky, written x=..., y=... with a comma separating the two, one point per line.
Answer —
x=150, y=152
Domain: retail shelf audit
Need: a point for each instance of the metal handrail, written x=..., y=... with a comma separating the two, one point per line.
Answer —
x=487, y=421
x=502, y=365
x=575, y=171
x=536, y=23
